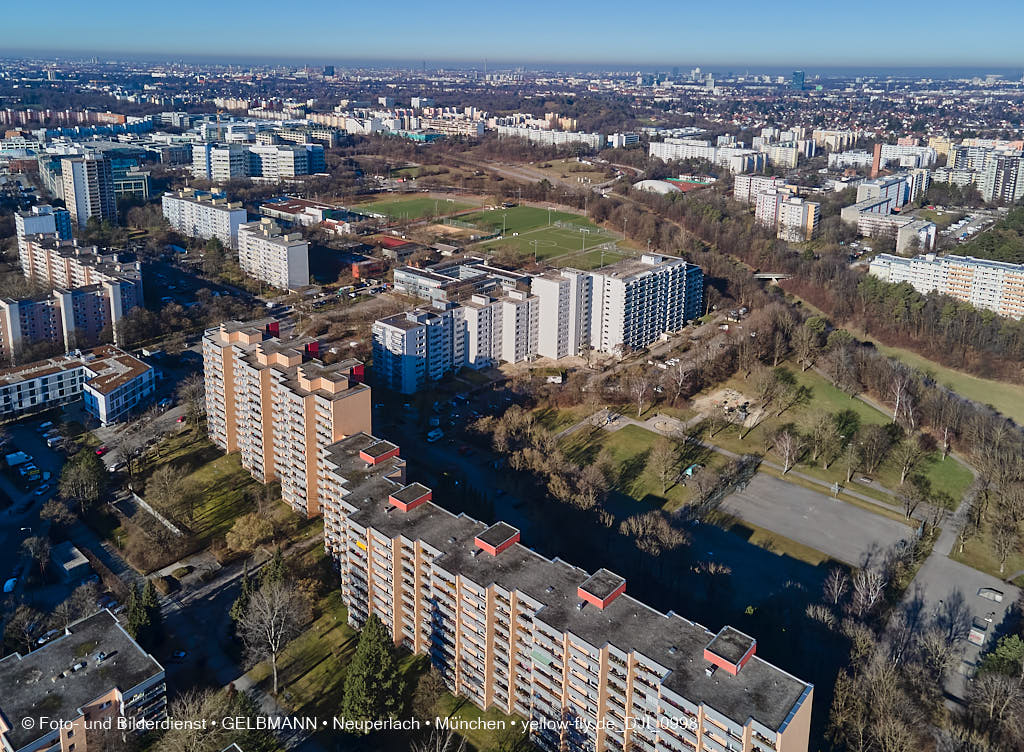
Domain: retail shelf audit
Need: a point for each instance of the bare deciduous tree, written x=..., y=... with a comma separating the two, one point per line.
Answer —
x=639, y=388
x=788, y=445
x=836, y=584
x=274, y=617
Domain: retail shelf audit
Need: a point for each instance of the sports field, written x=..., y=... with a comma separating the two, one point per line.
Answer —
x=413, y=208
x=568, y=238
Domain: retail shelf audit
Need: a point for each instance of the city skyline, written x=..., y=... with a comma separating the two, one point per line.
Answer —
x=588, y=34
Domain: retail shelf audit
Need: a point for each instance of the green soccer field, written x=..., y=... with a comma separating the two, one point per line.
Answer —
x=413, y=208
x=521, y=219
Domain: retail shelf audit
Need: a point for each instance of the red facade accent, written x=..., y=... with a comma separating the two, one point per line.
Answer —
x=374, y=460
x=602, y=604
x=274, y=329
x=358, y=373
x=313, y=349
x=495, y=550
x=406, y=506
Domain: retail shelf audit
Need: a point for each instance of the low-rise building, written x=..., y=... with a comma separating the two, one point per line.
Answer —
x=112, y=383
x=91, y=672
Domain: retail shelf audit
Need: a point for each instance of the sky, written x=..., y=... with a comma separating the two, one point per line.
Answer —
x=740, y=34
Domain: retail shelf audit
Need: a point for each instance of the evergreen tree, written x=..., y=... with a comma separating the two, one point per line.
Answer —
x=138, y=619
x=151, y=605
x=274, y=570
x=241, y=604
x=373, y=686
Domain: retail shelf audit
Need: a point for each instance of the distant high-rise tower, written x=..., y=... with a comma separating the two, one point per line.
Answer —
x=328, y=70
x=88, y=189
x=797, y=81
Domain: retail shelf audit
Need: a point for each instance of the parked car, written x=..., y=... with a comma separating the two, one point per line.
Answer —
x=10, y=585
x=435, y=435
x=102, y=450
x=42, y=489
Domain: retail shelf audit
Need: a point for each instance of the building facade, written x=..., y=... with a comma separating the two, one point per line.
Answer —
x=265, y=253
x=592, y=667
x=992, y=285
x=276, y=404
x=204, y=215
x=88, y=189
x=418, y=347
x=42, y=220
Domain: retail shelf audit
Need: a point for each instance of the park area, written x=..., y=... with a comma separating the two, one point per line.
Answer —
x=549, y=234
x=416, y=207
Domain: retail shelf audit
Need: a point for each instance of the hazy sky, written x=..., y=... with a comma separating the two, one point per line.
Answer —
x=796, y=33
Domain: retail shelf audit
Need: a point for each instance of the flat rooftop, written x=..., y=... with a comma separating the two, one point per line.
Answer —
x=602, y=583
x=731, y=644
x=498, y=533
x=113, y=368
x=43, y=682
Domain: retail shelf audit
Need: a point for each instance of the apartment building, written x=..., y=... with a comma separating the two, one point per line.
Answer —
x=552, y=138
x=279, y=260
x=735, y=159
x=279, y=406
x=199, y=214
x=747, y=188
x=88, y=188
x=91, y=672
x=635, y=301
x=798, y=219
x=896, y=188
x=42, y=220
x=563, y=312
x=590, y=666
x=111, y=382
x=220, y=162
x=278, y=161
x=418, y=347
x=1002, y=179
x=992, y=285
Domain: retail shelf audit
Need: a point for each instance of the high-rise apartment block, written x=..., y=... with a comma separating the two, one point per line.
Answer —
x=78, y=681
x=798, y=219
x=220, y=163
x=204, y=215
x=279, y=406
x=279, y=260
x=635, y=301
x=88, y=188
x=42, y=220
x=514, y=317
x=746, y=188
x=992, y=285
x=1002, y=180
x=414, y=348
x=590, y=666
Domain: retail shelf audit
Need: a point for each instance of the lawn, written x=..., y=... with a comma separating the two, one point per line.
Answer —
x=947, y=475
x=555, y=420
x=768, y=540
x=570, y=170
x=630, y=448
x=942, y=219
x=978, y=554
x=522, y=219
x=223, y=483
x=413, y=208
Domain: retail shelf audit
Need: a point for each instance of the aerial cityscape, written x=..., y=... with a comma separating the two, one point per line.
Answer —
x=562, y=378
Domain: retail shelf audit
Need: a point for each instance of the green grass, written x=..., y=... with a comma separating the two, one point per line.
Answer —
x=222, y=482
x=978, y=554
x=943, y=220
x=779, y=545
x=945, y=475
x=413, y=208
x=630, y=448
x=521, y=219
x=556, y=420
x=482, y=739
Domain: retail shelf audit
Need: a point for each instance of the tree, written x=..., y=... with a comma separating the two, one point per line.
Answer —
x=192, y=393
x=429, y=689
x=274, y=617
x=836, y=583
x=851, y=459
x=22, y=629
x=875, y=442
x=788, y=444
x=1006, y=538
x=84, y=479
x=373, y=685
x=868, y=587
x=57, y=512
x=678, y=376
x=38, y=548
x=137, y=624
x=662, y=462
x=440, y=740
x=652, y=532
x=164, y=490
x=909, y=454
x=639, y=386
x=823, y=435
x=248, y=532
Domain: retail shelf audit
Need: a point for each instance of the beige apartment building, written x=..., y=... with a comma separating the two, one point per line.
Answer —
x=279, y=406
x=589, y=666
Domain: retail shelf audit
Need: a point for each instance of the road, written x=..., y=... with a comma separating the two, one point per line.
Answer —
x=843, y=531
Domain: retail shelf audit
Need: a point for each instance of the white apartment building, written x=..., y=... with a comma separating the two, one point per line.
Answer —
x=563, y=305
x=798, y=219
x=552, y=138
x=220, y=162
x=279, y=260
x=88, y=188
x=992, y=285
x=907, y=155
x=204, y=215
x=519, y=326
x=418, y=347
x=746, y=188
x=635, y=301
x=1002, y=179
x=278, y=161
x=483, y=331
x=42, y=220
x=732, y=158
x=894, y=187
